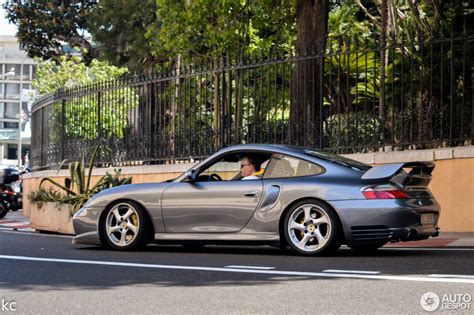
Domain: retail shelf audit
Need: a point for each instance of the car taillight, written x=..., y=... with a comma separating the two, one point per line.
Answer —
x=384, y=192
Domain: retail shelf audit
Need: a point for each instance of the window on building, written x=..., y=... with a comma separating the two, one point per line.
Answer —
x=11, y=151
x=13, y=67
x=11, y=110
x=10, y=125
x=12, y=91
x=26, y=72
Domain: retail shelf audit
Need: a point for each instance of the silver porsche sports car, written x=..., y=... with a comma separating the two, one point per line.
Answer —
x=309, y=200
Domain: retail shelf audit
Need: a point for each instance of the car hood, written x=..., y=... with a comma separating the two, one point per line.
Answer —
x=149, y=192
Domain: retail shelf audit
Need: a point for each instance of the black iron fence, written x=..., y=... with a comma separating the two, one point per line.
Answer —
x=357, y=97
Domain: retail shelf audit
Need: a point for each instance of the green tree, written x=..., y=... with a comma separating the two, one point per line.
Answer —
x=44, y=26
x=81, y=113
x=120, y=30
x=205, y=28
x=312, y=30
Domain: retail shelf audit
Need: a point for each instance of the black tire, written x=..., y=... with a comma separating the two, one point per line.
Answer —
x=144, y=232
x=366, y=248
x=3, y=210
x=331, y=232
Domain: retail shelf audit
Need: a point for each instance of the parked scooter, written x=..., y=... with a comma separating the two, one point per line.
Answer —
x=4, y=205
x=10, y=189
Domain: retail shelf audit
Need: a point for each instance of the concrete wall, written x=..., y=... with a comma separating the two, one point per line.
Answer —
x=452, y=184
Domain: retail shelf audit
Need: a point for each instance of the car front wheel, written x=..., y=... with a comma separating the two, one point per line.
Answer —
x=125, y=226
x=311, y=227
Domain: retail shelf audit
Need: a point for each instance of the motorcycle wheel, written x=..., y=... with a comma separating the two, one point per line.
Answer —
x=3, y=211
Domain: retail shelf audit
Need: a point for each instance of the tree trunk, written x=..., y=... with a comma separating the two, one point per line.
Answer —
x=305, y=120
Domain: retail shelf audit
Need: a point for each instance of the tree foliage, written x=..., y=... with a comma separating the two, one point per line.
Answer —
x=45, y=26
x=82, y=113
x=120, y=30
x=207, y=28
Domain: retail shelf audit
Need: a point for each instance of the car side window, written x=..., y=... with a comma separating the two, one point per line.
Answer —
x=226, y=170
x=283, y=166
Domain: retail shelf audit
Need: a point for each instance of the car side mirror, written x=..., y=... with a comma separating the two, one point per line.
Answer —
x=190, y=175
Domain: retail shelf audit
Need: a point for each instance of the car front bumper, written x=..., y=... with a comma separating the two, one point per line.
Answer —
x=86, y=226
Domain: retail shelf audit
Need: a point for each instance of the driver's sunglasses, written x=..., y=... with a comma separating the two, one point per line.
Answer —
x=242, y=165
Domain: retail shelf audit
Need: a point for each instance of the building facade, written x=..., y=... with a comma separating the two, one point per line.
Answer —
x=16, y=74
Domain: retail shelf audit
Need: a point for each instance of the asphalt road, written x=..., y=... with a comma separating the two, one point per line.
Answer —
x=47, y=274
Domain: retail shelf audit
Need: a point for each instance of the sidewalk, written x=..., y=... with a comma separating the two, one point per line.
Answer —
x=448, y=239
x=16, y=221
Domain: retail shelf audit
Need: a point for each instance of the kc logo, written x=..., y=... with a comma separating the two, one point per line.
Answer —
x=8, y=306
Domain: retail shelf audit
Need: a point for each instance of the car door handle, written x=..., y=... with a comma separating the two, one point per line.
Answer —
x=251, y=194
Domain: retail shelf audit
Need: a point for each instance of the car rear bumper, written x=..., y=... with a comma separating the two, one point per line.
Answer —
x=372, y=221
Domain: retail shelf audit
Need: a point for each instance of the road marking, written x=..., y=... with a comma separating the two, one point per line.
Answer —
x=362, y=272
x=236, y=270
x=250, y=267
x=32, y=233
x=452, y=276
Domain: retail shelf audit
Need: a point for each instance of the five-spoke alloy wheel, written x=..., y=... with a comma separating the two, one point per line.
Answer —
x=311, y=227
x=125, y=226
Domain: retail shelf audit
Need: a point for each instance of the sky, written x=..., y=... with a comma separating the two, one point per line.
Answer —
x=5, y=28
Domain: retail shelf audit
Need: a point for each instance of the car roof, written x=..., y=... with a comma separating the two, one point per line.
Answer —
x=305, y=153
x=280, y=148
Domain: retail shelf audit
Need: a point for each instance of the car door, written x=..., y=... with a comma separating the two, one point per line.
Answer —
x=222, y=206
x=210, y=207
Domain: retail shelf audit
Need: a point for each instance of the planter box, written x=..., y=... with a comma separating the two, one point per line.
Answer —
x=51, y=217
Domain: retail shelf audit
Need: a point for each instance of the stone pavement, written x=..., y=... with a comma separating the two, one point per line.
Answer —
x=16, y=221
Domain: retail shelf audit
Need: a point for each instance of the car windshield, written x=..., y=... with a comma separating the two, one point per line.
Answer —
x=339, y=160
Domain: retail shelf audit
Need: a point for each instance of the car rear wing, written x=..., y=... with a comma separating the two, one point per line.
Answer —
x=417, y=170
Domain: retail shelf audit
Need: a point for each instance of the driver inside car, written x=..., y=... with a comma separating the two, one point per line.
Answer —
x=250, y=168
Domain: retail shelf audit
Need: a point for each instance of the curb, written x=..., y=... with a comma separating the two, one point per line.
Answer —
x=16, y=225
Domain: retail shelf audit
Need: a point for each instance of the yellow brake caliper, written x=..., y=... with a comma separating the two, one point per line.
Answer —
x=134, y=222
x=134, y=219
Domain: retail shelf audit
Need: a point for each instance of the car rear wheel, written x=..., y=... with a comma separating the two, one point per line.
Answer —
x=311, y=227
x=125, y=226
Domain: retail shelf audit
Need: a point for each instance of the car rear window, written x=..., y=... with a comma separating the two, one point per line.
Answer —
x=339, y=160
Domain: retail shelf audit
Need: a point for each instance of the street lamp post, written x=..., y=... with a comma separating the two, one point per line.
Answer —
x=19, y=122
